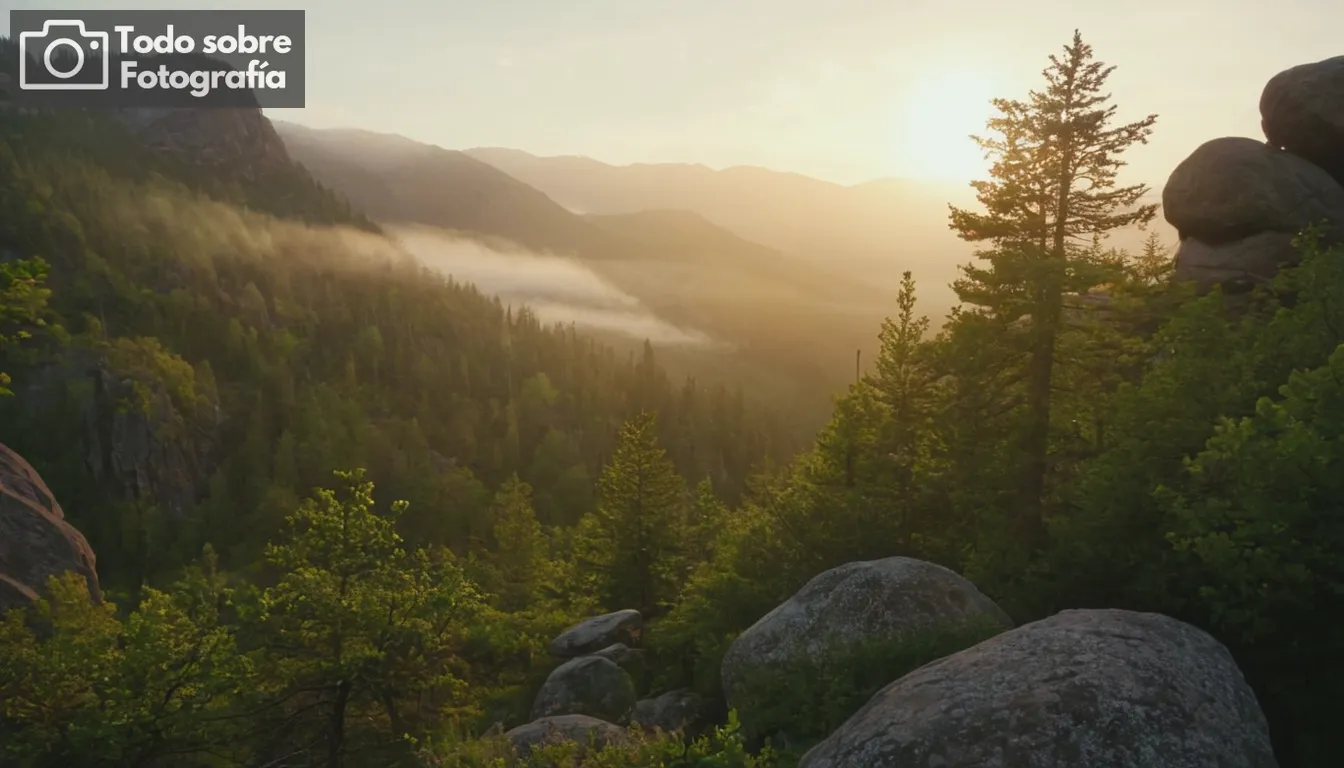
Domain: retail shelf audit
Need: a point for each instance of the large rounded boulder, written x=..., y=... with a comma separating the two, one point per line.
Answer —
x=36, y=542
x=599, y=632
x=581, y=729
x=1242, y=263
x=864, y=609
x=1081, y=689
x=590, y=685
x=1302, y=111
x=1232, y=188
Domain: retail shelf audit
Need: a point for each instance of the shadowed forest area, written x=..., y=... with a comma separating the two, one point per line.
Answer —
x=275, y=490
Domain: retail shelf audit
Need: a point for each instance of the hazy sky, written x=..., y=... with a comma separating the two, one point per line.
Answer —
x=841, y=89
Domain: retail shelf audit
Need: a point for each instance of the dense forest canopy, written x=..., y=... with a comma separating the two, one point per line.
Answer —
x=261, y=354
x=190, y=358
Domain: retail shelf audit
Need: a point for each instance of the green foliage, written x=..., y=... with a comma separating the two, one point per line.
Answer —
x=356, y=624
x=22, y=301
x=631, y=548
x=80, y=686
x=520, y=565
x=748, y=576
x=1257, y=530
x=722, y=747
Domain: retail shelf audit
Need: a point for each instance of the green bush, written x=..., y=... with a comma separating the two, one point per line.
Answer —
x=723, y=747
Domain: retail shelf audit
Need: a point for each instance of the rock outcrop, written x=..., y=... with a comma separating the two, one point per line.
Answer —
x=142, y=440
x=239, y=143
x=36, y=542
x=590, y=685
x=878, y=601
x=1238, y=265
x=679, y=710
x=581, y=729
x=1237, y=203
x=625, y=657
x=1081, y=689
x=597, y=633
x=1232, y=188
x=1302, y=111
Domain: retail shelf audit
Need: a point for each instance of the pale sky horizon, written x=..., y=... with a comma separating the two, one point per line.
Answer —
x=844, y=90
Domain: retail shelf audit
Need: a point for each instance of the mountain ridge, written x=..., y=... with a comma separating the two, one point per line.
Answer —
x=680, y=264
x=868, y=233
x=484, y=152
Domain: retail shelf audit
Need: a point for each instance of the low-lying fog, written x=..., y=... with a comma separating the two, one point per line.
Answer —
x=557, y=289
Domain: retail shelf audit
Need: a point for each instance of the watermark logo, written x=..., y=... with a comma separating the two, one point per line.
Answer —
x=54, y=39
x=159, y=58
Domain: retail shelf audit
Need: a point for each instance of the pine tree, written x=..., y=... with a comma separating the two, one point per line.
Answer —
x=521, y=545
x=1052, y=191
x=902, y=380
x=628, y=547
x=706, y=518
x=1153, y=265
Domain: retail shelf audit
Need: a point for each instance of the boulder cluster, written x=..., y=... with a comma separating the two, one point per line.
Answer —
x=1238, y=203
x=1080, y=689
x=591, y=697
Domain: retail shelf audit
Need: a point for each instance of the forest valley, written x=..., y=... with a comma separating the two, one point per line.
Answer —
x=341, y=504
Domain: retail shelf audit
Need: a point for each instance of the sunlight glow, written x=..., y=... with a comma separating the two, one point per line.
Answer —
x=936, y=117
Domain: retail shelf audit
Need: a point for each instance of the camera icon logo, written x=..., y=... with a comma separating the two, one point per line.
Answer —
x=68, y=57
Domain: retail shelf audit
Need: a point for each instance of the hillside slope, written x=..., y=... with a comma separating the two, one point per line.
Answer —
x=795, y=320
x=396, y=180
x=213, y=364
x=866, y=233
x=876, y=229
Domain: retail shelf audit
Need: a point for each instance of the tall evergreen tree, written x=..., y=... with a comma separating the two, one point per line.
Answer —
x=1053, y=190
x=520, y=546
x=902, y=378
x=629, y=546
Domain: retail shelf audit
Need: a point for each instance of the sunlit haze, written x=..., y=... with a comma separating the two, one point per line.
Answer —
x=846, y=90
x=557, y=290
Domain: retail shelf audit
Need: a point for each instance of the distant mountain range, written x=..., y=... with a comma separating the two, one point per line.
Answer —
x=393, y=179
x=872, y=231
x=798, y=317
x=869, y=232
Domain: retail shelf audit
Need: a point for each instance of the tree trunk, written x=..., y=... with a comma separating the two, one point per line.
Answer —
x=1045, y=329
x=393, y=715
x=1028, y=528
x=336, y=740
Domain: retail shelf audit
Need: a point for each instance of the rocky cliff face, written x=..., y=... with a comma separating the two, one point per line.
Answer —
x=237, y=143
x=140, y=440
x=36, y=542
x=1238, y=202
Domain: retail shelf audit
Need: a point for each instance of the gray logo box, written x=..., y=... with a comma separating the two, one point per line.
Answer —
x=112, y=59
